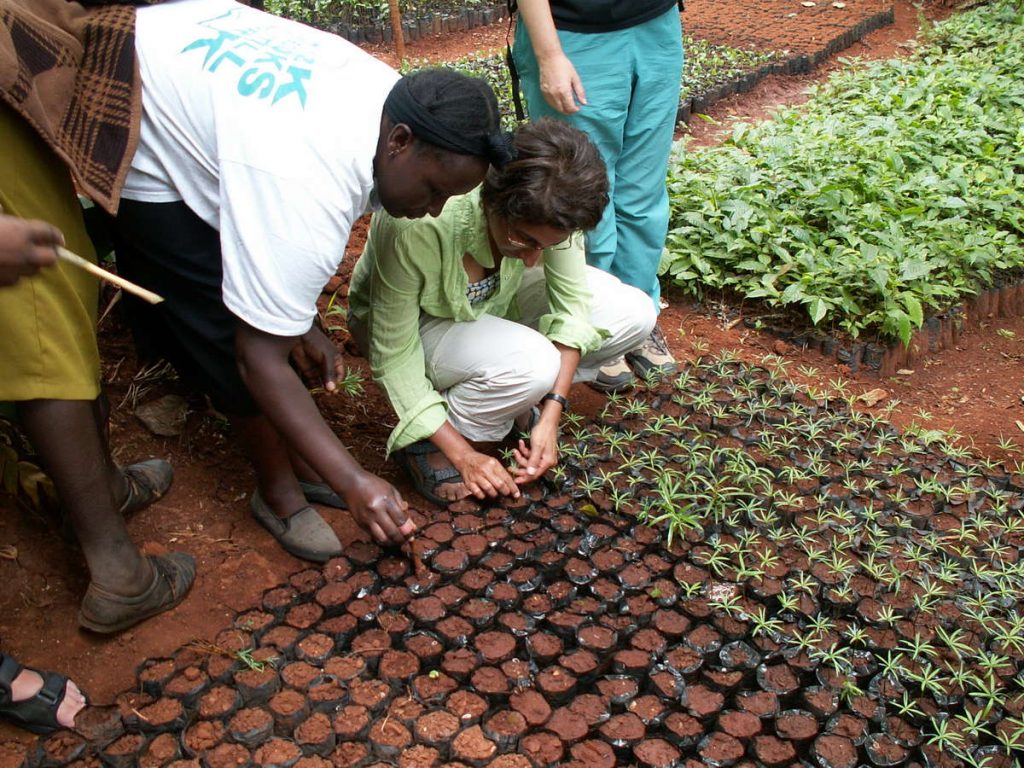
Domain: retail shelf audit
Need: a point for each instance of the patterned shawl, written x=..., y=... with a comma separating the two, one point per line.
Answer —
x=70, y=71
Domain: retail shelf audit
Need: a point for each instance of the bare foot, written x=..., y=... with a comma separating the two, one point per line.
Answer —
x=450, y=491
x=27, y=684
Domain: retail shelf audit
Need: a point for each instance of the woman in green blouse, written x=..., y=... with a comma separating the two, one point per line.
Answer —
x=472, y=318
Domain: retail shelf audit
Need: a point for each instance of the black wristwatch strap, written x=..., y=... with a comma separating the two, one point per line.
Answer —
x=558, y=399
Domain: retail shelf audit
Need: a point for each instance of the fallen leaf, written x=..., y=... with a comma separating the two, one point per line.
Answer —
x=871, y=398
x=1019, y=425
x=165, y=416
x=808, y=4
x=904, y=371
x=589, y=510
x=839, y=5
x=8, y=552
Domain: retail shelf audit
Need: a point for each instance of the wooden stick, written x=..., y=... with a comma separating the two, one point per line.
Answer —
x=73, y=258
x=418, y=566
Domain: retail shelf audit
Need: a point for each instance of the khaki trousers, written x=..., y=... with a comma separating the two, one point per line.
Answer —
x=491, y=370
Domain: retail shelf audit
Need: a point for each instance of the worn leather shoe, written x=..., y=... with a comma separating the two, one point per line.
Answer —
x=107, y=612
x=322, y=493
x=147, y=482
x=304, y=533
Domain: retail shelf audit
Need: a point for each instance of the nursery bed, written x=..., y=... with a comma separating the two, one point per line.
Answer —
x=728, y=568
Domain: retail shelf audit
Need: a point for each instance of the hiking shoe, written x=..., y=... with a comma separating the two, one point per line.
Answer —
x=304, y=533
x=615, y=376
x=652, y=358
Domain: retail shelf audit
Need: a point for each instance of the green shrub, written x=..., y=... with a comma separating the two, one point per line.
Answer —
x=896, y=190
x=330, y=13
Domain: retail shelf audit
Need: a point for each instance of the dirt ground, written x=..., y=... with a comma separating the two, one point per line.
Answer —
x=974, y=390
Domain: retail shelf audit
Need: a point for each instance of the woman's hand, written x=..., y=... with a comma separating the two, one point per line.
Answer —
x=535, y=459
x=317, y=360
x=484, y=475
x=379, y=508
x=561, y=85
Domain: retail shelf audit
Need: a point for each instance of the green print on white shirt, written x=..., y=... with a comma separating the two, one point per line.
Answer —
x=268, y=65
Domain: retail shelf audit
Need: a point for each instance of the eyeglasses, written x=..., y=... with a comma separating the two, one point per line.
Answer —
x=519, y=240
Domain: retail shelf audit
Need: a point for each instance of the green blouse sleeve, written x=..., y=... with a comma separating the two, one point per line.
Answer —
x=402, y=260
x=569, y=298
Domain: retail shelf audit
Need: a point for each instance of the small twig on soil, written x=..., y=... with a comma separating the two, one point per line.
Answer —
x=112, y=376
x=210, y=649
x=372, y=649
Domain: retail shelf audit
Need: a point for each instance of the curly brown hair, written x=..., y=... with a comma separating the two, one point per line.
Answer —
x=557, y=179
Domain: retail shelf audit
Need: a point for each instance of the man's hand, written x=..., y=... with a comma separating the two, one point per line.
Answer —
x=379, y=508
x=540, y=455
x=25, y=246
x=317, y=360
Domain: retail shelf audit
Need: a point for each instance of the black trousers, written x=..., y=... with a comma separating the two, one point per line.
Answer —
x=167, y=248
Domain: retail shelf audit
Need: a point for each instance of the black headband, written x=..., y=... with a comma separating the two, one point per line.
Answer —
x=401, y=106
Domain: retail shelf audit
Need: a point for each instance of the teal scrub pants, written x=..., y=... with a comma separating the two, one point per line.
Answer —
x=631, y=78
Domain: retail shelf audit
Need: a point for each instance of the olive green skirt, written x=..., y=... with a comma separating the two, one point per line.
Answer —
x=47, y=321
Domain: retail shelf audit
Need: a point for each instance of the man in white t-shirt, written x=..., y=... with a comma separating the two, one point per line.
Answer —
x=262, y=140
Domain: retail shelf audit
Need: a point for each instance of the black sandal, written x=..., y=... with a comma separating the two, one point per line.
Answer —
x=413, y=459
x=39, y=713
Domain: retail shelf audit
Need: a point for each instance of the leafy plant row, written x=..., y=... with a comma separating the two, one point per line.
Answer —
x=895, y=191
x=324, y=13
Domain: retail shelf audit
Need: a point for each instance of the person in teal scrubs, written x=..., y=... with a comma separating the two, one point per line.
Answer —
x=612, y=68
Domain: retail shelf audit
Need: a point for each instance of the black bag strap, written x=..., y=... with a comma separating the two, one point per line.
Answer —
x=513, y=73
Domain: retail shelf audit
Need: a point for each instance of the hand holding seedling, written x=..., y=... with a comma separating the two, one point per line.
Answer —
x=379, y=508
x=535, y=458
x=318, y=361
x=484, y=475
x=25, y=246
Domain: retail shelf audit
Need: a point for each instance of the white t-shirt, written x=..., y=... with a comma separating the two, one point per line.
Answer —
x=266, y=128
